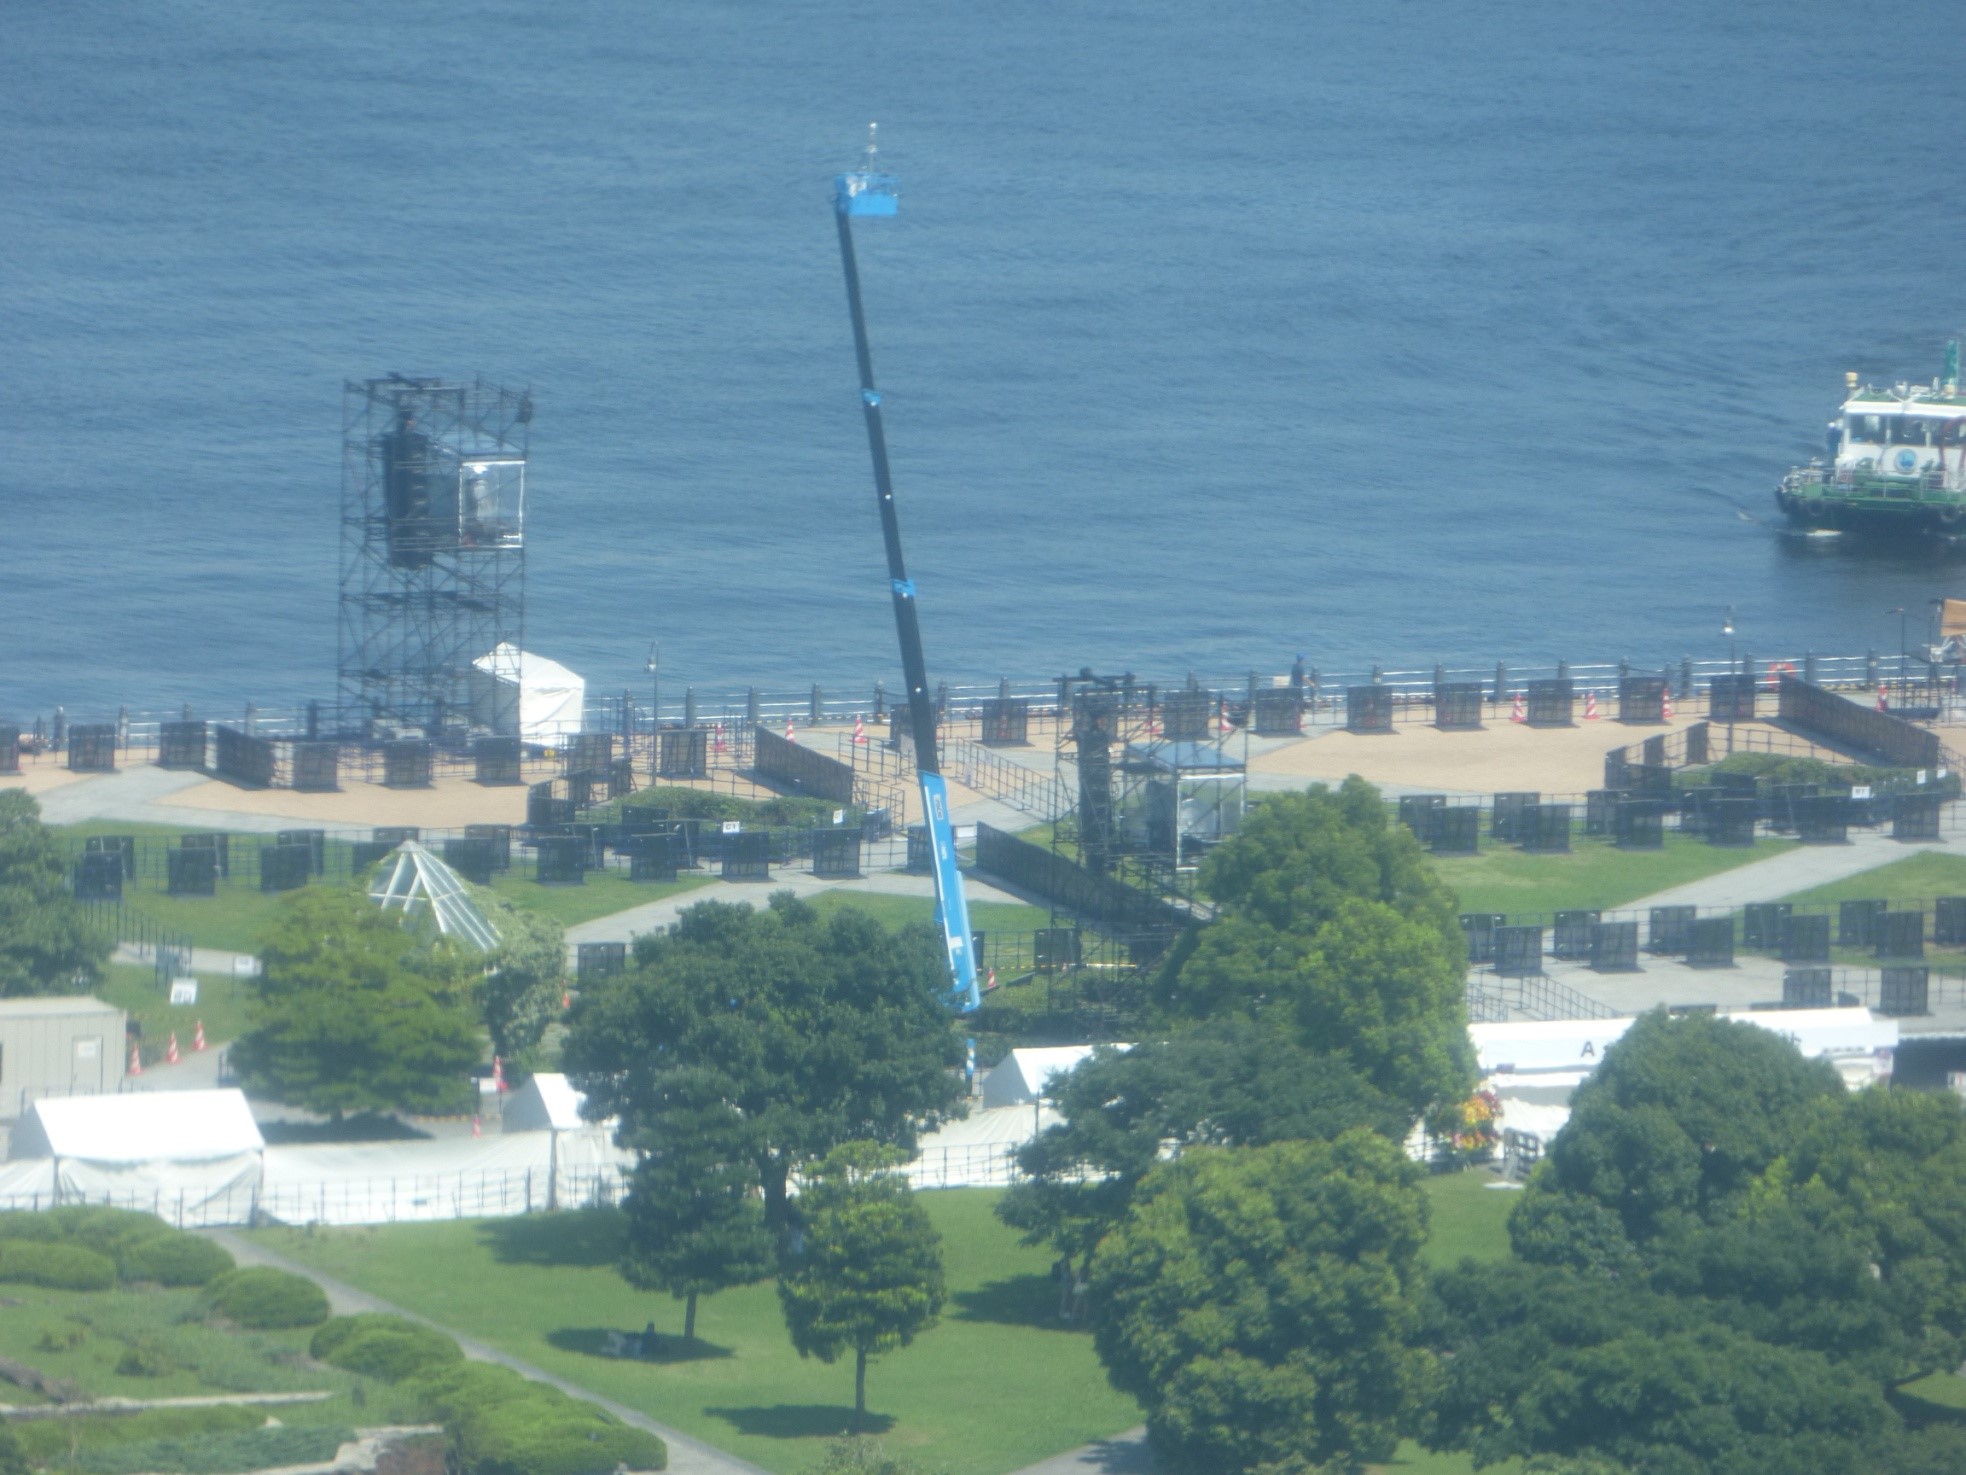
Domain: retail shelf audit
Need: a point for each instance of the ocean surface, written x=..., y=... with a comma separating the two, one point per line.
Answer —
x=1405, y=332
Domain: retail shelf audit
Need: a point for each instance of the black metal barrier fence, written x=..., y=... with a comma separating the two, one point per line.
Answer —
x=805, y=770
x=1884, y=735
x=1101, y=900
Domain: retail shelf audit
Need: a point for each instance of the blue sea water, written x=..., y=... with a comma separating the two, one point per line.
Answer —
x=1405, y=332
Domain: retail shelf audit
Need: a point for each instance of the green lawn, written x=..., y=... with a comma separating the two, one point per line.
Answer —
x=232, y=918
x=1593, y=876
x=893, y=911
x=1918, y=877
x=1470, y=1219
x=602, y=894
x=997, y=1385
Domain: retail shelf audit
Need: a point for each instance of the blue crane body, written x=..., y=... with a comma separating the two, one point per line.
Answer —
x=869, y=193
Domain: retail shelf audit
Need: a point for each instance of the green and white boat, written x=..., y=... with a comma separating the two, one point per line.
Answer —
x=1896, y=463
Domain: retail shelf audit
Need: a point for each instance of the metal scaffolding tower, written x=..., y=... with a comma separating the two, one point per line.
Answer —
x=433, y=555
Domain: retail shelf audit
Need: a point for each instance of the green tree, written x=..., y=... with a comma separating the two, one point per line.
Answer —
x=695, y=1225
x=46, y=943
x=1333, y=928
x=1259, y=1303
x=357, y=1013
x=524, y=980
x=866, y=1275
x=817, y=1033
x=858, y=1456
x=1672, y=1128
x=1228, y=1083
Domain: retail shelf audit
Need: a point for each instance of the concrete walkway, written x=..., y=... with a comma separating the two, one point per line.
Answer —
x=1800, y=869
x=687, y=1456
x=1123, y=1454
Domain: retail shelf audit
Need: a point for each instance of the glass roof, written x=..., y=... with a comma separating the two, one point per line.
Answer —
x=418, y=884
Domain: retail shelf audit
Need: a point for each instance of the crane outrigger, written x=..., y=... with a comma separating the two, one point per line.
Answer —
x=867, y=192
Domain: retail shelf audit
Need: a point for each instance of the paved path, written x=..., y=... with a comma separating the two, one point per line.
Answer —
x=1800, y=869
x=1123, y=1454
x=687, y=1456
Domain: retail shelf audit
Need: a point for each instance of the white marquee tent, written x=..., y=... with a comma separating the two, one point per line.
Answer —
x=516, y=691
x=1024, y=1076
x=193, y=1145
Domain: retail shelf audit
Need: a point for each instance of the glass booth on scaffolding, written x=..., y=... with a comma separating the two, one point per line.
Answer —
x=1177, y=801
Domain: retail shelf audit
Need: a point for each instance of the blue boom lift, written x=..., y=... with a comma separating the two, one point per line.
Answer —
x=864, y=193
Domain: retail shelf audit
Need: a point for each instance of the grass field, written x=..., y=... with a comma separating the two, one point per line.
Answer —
x=1593, y=876
x=602, y=894
x=894, y=911
x=1918, y=877
x=997, y=1385
x=221, y=1006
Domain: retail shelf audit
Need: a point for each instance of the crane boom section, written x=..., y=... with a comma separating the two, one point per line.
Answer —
x=871, y=194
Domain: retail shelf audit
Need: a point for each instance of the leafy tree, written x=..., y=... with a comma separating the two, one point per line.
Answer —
x=1670, y=1130
x=1259, y=1303
x=1228, y=1083
x=357, y=1013
x=46, y=943
x=1551, y=1361
x=1334, y=929
x=520, y=992
x=694, y=1224
x=816, y=1033
x=867, y=1276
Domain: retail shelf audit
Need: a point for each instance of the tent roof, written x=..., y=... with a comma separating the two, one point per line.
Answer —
x=546, y=1102
x=534, y=670
x=144, y=1127
x=1025, y=1075
x=415, y=881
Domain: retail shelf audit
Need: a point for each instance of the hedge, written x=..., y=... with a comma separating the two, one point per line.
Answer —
x=503, y=1424
x=220, y=1454
x=378, y=1345
x=264, y=1299
x=60, y=1267
x=173, y=1258
x=51, y=1442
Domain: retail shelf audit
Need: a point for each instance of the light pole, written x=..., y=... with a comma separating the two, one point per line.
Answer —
x=655, y=701
x=1733, y=675
x=1904, y=655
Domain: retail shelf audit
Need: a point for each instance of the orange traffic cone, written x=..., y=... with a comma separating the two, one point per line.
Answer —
x=170, y=1054
x=859, y=730
x=718, y=741
x=1590, y=706
x=198, y=1036
x=1223, y=713
x=1665, y=706
x=136, y=1061
x=566, y=999
x=1883, y=703
x=790, y=736
x=498, y=1075
x=477, y=1127
x=992, y=982
x=1519, y=714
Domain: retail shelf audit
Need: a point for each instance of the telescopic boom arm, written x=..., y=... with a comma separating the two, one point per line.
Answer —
x=868, y=192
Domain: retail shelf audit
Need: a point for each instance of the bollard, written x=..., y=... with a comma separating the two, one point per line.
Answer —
x=750, y=706
x=1809, y=667
x=1686, y=678
x=1501, y=682
x=689, y=707
x=880, y=701
x=815, y=711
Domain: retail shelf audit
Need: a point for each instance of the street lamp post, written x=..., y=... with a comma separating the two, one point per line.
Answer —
x=1733, y=675
x=655, y=703
x=1904, y=651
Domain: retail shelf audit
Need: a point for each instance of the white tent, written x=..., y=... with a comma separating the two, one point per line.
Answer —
x=1562, y=1052
x=1024, y=1076
x=546, y=1103
x=516, y=691
x=188, y=1145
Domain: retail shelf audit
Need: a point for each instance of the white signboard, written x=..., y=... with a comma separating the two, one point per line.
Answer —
x=184, y=990
x=733, y=826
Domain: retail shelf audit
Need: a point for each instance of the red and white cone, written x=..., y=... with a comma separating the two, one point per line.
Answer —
x=477, y=1127
x=498, y=1075
x=1224, y=716
x=859, y=730
x=566, y=999
x=1883, y=702
x=198, y=1036
x=1590, y=706
x=1665, y=706
x=992, y=983
x=790, y=736
x=136, y=1061
x=717, y=741
x=170, y=1052
x=1520, y=712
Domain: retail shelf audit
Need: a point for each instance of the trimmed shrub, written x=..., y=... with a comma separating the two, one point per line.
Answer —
x=264, y=1448
x=26, y=1224
x=378, y=1345
x=105, y=1230
x=264, y=1299
x=59, y=1267
x=503, y=1424
x=52, y=1442
x=173, y=1258
x=12, y=1460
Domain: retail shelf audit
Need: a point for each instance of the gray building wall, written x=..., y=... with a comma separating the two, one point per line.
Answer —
x=58, y=1047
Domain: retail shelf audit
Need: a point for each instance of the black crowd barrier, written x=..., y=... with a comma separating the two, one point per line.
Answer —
x=181, y=744
x=683, y=752
x=1099, y=899
x=1277, y=712
x=496, y=760
x=316, y=767
x=1457, y=706
x=807, y=771
x=241, y=758
x=1006, y=721
x=92, y=747
x=1369, y=708
x=1894, y=740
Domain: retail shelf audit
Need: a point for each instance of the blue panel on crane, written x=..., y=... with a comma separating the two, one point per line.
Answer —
x=865, y=194
x=951, y=906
